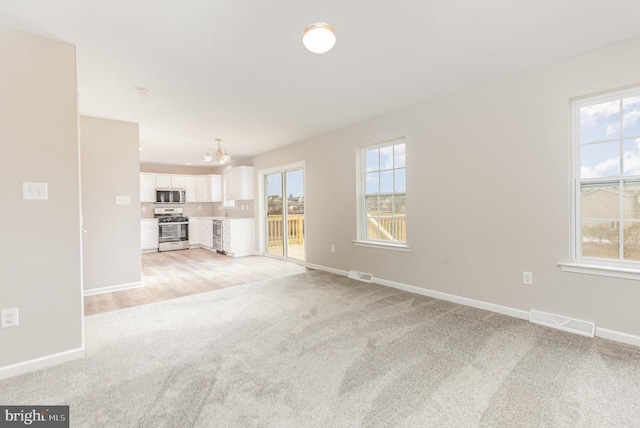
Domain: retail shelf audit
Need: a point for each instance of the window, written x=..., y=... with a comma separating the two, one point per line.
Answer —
x=606, y=141
x=383, y=187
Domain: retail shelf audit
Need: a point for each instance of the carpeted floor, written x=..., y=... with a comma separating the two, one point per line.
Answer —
x=320, y=350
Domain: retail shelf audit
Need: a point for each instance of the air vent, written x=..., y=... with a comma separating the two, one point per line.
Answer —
x=360, y=276
x=584, y=328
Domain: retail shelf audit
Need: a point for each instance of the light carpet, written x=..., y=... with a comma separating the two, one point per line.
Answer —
x=321, y=350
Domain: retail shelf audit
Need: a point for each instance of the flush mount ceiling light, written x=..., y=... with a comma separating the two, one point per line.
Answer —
x=319, y=37
x=219, y=153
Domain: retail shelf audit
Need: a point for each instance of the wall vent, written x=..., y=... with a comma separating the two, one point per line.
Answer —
x=361, y=276
x=584, y=328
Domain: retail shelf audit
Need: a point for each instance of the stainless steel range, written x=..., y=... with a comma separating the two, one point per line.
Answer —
x=173, y=229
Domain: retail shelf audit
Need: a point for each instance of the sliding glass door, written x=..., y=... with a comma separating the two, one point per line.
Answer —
x=284, y=220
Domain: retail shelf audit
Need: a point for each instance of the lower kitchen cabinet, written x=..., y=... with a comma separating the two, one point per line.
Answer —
x=206, y=233
x=149, y=234
x=194, y=232
x=201, y=232
x=238, y=237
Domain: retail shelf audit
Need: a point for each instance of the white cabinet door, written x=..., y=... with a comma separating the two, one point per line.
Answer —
x=228, y=176
x=163, y=181
x=179, y=181
x=149, y=234
x=190, y=186
x=215, y=184
x=238, y=237
x=147, y=187
x=206, y=234
x=194, y=232
x=238, y=183
x=202, y=188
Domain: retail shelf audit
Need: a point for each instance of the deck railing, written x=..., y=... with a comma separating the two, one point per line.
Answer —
x=391, y=229
x=295, y=229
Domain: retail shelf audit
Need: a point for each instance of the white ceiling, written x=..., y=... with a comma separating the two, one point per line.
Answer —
x=237, y=69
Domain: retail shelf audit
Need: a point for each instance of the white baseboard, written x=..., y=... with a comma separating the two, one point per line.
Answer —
x=604, y=333
x=327, y=269
x=112, y=288
x=479, y=304
x=618, y=336
x=40, y=363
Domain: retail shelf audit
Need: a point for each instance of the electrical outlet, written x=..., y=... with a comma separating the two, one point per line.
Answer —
x=333, y=248
x=527, y=278
x=9, y=317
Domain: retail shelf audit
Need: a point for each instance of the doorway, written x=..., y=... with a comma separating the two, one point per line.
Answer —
x=284, y=219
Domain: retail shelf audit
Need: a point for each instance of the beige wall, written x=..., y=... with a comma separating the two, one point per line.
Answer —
x=40, y=266
x=110, y=168
x=488, y=192
x=175, y=169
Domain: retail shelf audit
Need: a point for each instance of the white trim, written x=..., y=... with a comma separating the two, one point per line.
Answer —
x=600, y=332
x=40, y=363
x=517, y=313
x=381, y=245
x=479, y=304
x=617, y=336
x=260, y=229
x=327, y=269
x=600, y=270
x=112, y=288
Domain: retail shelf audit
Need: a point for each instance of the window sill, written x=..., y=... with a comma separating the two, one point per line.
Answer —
x=600, y=270
x=382, y=246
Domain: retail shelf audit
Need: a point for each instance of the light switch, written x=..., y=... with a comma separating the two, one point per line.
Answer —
x=123, y=200
x=34, y=191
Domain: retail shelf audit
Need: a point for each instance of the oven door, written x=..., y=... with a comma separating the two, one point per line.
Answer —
x=173, y=232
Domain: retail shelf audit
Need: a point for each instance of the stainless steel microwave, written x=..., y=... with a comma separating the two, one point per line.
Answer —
x=171, y=196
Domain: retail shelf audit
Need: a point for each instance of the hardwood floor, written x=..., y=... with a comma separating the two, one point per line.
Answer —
x=172, y=274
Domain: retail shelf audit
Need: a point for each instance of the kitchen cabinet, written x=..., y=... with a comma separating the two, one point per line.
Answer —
x=190, y=187
x=238, y=183
x=168, y=181
x=238, y=237
x=194, y=232
x=149, y=234
x=202, y=188
x=199, y=188
x=206, y=232
x=178, y=181
x=215, y=182
x=208, y=188
x=147, y=187
x=163, y=181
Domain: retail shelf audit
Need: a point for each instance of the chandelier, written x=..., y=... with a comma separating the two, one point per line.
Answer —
x=220, y=154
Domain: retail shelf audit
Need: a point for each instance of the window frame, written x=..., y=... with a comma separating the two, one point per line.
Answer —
x=361, y=194
x=592, y=265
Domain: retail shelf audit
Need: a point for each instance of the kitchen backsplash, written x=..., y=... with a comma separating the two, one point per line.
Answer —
x=243, y=209
x=203, y=209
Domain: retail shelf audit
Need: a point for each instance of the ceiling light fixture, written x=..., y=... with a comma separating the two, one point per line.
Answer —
x=319, y=37
x=220, y=154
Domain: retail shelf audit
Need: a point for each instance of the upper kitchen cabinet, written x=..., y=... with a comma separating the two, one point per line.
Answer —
x=215, y=180
x=238, y=183
x=179, y=181
x=208, y=188
x=147, y=187
x=190, y=187
x=200, y=188
x=163, y=181
x=167, y=181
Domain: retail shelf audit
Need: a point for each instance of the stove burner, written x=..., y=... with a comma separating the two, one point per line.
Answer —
x=173, y=219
